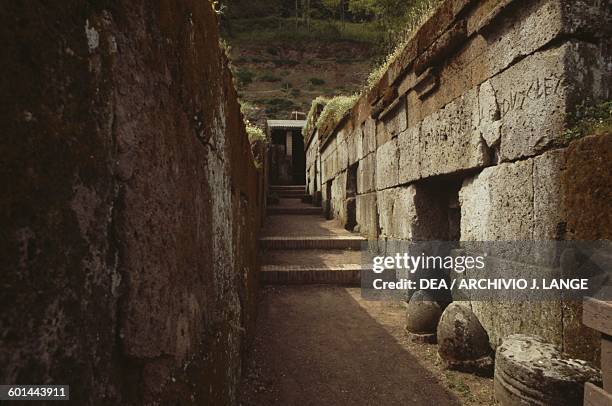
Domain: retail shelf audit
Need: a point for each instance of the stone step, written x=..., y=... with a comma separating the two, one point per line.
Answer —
x=294, y=194
x=349, y=274
x=289, y=188
x=272, y=210
x=308, y=242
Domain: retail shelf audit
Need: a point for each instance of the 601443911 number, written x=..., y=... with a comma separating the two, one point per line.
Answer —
x=34, y=392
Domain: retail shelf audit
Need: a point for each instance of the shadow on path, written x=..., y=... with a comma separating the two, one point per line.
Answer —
x=319, y=345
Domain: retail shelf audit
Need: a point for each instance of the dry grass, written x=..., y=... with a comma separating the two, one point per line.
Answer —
x=335, y=110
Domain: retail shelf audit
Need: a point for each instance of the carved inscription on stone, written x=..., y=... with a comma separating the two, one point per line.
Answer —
x=538, y=88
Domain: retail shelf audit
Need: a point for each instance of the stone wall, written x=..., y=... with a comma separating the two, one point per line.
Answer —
x=131, y=203
x=463, y=138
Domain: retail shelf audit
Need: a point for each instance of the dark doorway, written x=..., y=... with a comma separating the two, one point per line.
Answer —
x=287, y=157
x=439, y=214
x=437, y=206
x=327, y=203
x=351, y=197
x=299, y=158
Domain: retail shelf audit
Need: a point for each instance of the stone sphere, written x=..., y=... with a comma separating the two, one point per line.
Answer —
x=422, y=316
x=463, y=344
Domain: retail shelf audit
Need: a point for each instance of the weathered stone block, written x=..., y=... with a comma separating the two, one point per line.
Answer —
x=342, y=156
x=499, y=319
x=141, y=174
x=497, y=310
x=335, y=160
x=449, y=139
x=498, y=203
x=359, y=147
x=534, y=96
x=530, y=371
x=405, y=214
x=587, y=181
x=368, y=136
x=519, y=32
x=366, y=174
x=338, y=206
x=367, y=219
x=387, y=165
x=329, y=162
x=514, y=201
x=385, y=200
x=342, y=134
x=489, y=125
x=326, y=173
x=351, y=145
x=587, y=189
x=397, y=213
x=409, y=155
x=393, y=121
x=549, y=215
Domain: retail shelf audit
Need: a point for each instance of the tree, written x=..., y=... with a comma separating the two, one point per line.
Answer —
x=335, y=7
x=307, y=11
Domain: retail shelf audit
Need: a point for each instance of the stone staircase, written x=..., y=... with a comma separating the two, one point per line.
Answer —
x=289, y=191
x=291, y=201
x=300, y=246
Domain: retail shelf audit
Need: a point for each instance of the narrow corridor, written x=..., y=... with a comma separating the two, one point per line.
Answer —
x=317, y=341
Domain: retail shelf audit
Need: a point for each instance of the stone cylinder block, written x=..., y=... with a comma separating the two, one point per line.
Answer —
x=530, y=371
x=463, y=344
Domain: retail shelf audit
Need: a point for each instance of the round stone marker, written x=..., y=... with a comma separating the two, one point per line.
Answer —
x=530, y=371
x=463, y=344
x=422, y=316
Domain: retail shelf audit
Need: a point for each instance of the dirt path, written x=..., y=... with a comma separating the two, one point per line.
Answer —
x=318, y=345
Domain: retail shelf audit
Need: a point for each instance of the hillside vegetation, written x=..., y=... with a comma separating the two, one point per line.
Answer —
x=285, y=53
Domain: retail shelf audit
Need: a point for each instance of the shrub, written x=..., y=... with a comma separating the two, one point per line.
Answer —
x=285, y=62
x=310, y=123
x=590, y=120
x=278, y=105
x=225, y=47
x=335, y=110
x=418, y=13
x=269, y=78
x=279, y=102
x=244, y=77
x=248, y=109
x=263, y=30
x=316, y=81
x=257, y=137
x=272, y=51
x=255, y=133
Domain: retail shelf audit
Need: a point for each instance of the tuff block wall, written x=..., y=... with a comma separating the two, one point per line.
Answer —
x=467, y=126
x=131, y=203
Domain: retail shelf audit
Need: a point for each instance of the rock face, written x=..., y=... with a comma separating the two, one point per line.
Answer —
x=129, y=226
x=422, y=316
x=463, y=343
x=529, y=371
x=463, y=138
